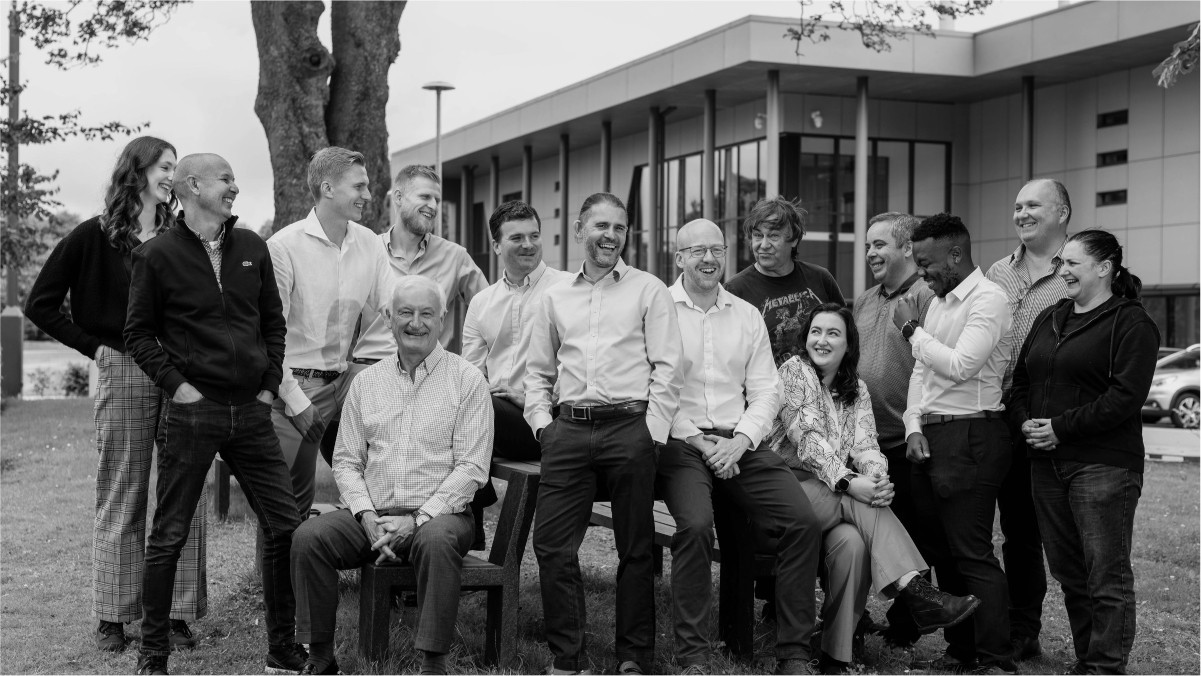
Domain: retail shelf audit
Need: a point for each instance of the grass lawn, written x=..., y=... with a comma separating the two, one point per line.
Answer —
x=47, y=466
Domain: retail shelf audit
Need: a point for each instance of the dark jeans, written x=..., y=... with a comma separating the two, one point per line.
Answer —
x=765, y=489
x=245, y=438
x=900, y=470
x=575, y=456
x=1086, y=512
x=335, y=541
x=955, y=495
x=1023, y=549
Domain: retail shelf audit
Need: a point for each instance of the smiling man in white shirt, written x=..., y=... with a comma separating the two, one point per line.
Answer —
x=496, y=334
x=728, y=402
x=957, y=435
x=610, y=341
x=328, y=269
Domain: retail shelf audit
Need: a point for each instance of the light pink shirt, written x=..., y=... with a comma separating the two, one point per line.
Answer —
x=607, y=342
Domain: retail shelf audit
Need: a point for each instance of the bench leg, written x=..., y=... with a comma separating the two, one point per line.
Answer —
x=736, y=612
x=220, y=505
x=375, y=615
x=494, y=638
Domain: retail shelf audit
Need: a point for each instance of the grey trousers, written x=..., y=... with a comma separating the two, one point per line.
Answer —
x=335, y=541
x=848, y=579
x=891, y=550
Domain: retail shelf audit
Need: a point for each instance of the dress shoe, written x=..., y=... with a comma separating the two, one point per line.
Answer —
x=934, y=609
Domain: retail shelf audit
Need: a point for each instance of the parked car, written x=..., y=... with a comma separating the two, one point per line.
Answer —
x=1176, y=389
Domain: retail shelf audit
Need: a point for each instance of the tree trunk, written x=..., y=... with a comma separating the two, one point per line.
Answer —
x=366, y=41
x=294, y=68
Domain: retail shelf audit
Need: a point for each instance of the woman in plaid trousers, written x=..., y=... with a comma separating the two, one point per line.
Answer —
x=93, y=263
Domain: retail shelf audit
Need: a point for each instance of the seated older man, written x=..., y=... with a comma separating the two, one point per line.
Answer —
x=414, y=446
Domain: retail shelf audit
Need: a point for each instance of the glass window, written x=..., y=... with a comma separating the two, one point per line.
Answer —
x=929, y=179
x=892, y=170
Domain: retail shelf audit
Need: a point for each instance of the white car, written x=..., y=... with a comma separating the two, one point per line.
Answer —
x=1176, y=389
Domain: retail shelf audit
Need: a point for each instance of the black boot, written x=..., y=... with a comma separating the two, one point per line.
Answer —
x=933, y=608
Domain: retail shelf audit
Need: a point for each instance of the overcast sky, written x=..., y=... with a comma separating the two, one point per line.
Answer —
x=194, y=81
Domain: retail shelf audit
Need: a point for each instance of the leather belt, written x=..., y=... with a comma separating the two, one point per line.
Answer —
x=365, y=362
x=729, y=434
x=604, y=412
x=315, y=373
x=939, y=418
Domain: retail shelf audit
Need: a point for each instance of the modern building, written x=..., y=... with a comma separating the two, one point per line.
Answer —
x=954, y=122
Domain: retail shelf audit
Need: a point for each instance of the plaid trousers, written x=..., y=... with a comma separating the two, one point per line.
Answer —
x=127, y=422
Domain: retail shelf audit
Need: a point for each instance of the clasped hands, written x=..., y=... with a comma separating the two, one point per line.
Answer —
x=1039, y=434
x=385, y=532
x=874, y=491
x=721, y=454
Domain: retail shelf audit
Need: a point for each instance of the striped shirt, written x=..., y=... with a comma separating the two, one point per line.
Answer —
x=421, y=442
x=885, y=357
x=1026, y=299
x=213, y=249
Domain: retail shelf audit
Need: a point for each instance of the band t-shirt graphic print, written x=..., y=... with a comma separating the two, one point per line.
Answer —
x=785, y=302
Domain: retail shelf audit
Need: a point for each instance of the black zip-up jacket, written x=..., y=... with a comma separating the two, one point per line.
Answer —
x=1091, y=382
x=227, y=341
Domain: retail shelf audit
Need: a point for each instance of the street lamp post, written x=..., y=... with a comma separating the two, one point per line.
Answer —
x=438, y=87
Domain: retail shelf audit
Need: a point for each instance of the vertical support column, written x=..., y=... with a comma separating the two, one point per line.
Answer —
x=859, y=284
x=564, y=229
x=1027, y=127
x=654, y=167
x=606, y=156
x=527, y=174
x=463, y=235
x=493, y=203
x=12, y=321
x=775, y=113
x=709, y=157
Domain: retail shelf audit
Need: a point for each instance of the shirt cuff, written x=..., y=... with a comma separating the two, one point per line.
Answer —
x=913, y=425
x=435, y=507
x=356, y=505
x=752, y=431
x=658, y=428
x=684, y=429
x=295, y=401
x=539, y=420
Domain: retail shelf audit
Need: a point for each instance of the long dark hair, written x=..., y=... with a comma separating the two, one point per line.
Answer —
x=123, y=199
x=1102, y=246
x=845, y=387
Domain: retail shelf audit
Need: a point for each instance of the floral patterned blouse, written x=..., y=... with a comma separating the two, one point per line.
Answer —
x=814, y=433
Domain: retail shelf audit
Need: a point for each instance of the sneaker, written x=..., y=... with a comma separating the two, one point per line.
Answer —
x=829, y=665
x=630, y=667
x=110, y=636
x=331, y=668
x=181, y=636
x=933, y=608
x=796, y=666
x=151, y=664
x=286, y=659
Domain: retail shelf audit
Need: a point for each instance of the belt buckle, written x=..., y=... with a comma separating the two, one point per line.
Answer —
x=585, y=410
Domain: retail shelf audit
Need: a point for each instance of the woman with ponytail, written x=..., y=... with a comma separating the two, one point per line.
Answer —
x=1079, y=384
x=93, y=263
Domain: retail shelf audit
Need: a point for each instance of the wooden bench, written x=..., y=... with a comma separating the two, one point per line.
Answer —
x=499, y=576
x=738, y=570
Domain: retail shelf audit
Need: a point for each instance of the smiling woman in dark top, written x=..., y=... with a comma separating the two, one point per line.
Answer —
x=1079, y=385
x=92, y=263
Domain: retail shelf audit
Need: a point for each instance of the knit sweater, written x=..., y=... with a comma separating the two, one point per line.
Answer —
x=96, y=274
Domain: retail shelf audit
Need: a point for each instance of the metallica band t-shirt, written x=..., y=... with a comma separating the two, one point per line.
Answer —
x=785, y=302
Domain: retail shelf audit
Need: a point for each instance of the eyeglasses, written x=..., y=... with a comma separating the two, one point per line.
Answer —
x=718, y=251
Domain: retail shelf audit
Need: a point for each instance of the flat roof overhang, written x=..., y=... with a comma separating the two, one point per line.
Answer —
x=953, y=67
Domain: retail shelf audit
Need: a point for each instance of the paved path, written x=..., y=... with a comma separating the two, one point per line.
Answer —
x=1169, y=441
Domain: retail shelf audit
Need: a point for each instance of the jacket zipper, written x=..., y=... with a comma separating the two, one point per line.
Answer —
x=1059, y=340
x=221, y=291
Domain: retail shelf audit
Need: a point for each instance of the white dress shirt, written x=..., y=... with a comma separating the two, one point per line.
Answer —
x=729, y=375
x=606, y=342
x=421, y=442
x=446, y=263
x=323, y=288
x=496, y=333
x=961, y=353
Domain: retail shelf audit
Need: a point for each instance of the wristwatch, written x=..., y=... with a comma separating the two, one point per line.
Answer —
x=844, y=483
x=909, y=327
x=420, y=517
